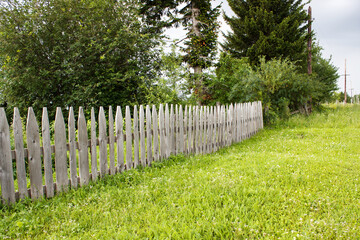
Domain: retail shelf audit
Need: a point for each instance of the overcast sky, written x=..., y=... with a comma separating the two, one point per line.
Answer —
x=337, y=28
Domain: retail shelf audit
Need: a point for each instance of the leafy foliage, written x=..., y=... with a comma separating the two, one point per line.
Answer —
x=270, y=28
x=75, y=53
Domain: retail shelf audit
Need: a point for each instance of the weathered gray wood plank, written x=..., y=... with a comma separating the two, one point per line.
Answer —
x=186, y=130
x=72, y=148
x=142, y=137
x=167, y=131
x=136, y=136
x=190, y=131
x=119, y=139
x=19, y=154
x=49, y=181
x=155, y=133
x=6, y=173
x=93, y=146
x=62, y=180
x=129, y=162
x=34, y=155
x=172, y=131
x=102, y=143
x=111, y=142
x=149, y=140
x=162, y=132
x=181, y=130
x=197, y=130
x=83, y=149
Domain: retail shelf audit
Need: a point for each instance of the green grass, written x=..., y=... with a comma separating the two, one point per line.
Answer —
x=298, y=179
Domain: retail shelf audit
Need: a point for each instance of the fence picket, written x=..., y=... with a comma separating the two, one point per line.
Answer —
x=6, y=173
x=119, y=139
x=45, y=129
x=148, y=136
x=190, y=132
x=62, y=180
x=155, y=133
x=111, y=142
x=181, y=130
x=19, y=154
x=142, y=137
x=34, y=155
x=167, y=131
x=72, y=148
x=129, y=163
x=136, y=136
x=93, y=146
x=186, y=130
x=102, y=143
x=83, y=149
x=172, y=130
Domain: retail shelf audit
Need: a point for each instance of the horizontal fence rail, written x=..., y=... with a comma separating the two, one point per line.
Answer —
x=78, y=155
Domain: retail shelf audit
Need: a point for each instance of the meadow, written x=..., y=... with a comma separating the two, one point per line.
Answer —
x=296, y=179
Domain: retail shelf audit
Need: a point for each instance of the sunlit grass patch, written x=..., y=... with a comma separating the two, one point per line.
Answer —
x=298, y=179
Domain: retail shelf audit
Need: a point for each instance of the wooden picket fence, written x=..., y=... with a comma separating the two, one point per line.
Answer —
x=150, y=135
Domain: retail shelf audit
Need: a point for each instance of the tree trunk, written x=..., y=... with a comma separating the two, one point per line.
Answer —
x=195, y=12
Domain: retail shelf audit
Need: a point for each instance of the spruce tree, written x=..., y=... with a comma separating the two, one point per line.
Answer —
x=269, y=28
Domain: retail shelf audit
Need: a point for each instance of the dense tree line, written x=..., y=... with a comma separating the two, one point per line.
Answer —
x=101, y=52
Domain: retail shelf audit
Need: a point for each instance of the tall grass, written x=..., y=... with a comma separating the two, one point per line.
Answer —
x=298, y=179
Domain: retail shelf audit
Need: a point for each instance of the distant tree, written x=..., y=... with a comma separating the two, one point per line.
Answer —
x=270, y=28
x=325, y=76
x=59, y=53
x=200, y=20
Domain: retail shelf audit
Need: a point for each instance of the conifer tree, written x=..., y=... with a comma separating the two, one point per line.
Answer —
x=270, y=28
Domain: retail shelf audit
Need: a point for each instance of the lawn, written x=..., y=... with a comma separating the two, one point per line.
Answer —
x=297, y=179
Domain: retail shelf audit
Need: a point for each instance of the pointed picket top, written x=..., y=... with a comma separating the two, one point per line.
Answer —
x=102, y=143
x=129, y=162
x=142, y=136
x=93, y=146
x=6, y=173
x=119, y=139
x=45, y=129
x=19, y=154
x=72, y=148
x=62, y=180
x=111, y=142
x=149, y=156
x=155, y=133
x=83, y=149
x=136, y=136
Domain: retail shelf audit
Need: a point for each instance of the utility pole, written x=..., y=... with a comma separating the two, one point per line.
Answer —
x=345, y=84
